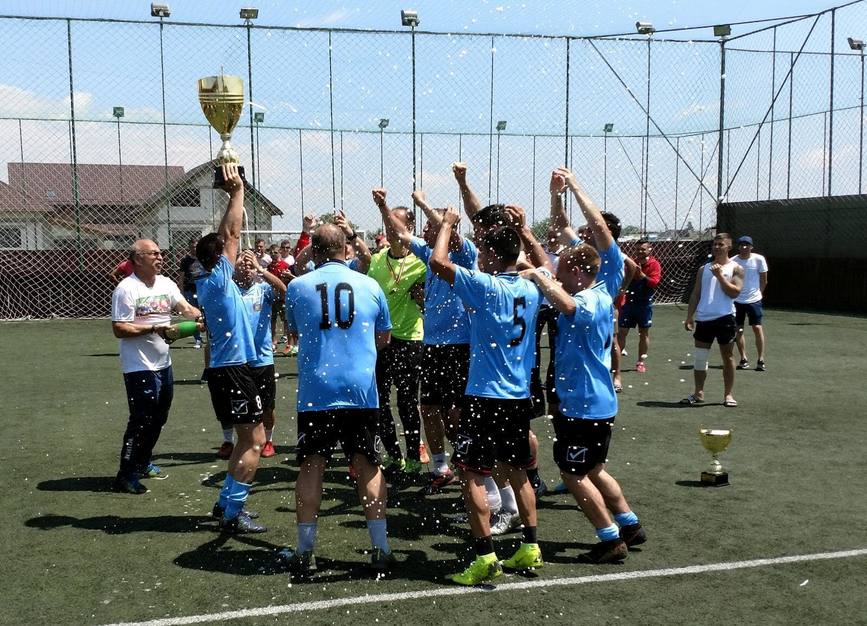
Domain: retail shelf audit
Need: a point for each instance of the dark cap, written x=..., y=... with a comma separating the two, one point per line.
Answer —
x=746, y=239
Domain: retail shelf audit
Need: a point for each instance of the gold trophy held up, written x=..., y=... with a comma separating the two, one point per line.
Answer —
x=222, y=100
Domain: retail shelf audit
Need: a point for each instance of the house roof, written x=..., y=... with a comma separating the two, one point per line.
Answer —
x=98, y=184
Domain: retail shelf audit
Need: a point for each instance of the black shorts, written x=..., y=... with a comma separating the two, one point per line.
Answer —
x=444, y=371
x=752, y=311
x=234, y=395
x=493, y=430
x=634, y=314
x=266, y=384
x=581, y=444
x=354, y=429
x=723, y=329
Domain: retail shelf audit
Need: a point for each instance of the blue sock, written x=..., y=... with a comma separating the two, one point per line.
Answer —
x=236, y=499
x=306, y=537
x=609, y=533
x=378, y=535
x=626, y=519
x=224, y=492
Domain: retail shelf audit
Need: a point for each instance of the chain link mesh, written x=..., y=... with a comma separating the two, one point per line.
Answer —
x=80, y=181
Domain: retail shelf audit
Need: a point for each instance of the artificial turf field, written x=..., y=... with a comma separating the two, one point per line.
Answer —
x=78, y=553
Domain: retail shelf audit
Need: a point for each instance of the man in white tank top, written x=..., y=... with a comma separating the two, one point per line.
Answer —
x=711, y=315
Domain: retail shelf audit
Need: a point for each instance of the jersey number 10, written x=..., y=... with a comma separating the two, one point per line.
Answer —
x=342, y=321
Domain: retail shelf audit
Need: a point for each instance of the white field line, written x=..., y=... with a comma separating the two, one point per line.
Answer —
x=460, y=591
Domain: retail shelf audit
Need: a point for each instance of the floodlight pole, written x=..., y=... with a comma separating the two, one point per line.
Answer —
x=499, y=132
x=646, y=145
x=861, y=126
x=381, y=156
x=165, y=137
x=722, y=119
x=605, y=170
x=254, y=142
x=831, y=107
x=119, y=158
x=414, y=165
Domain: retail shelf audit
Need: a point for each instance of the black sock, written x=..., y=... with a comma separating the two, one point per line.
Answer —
x=533, y=475
x=529, y=534
x=483, y=545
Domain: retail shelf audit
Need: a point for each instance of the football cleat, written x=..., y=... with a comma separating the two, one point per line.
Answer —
x=484, y=569
x=613, y=551
x=505, y=522
x=528, y=556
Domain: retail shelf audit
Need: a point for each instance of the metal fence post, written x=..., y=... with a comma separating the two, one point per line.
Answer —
x=76, y=192
x=861, y=126
x=646, y=148
x=566, y=135
x=491, y=126
x=165, y=137
x=831, y=107
x=331, y=116
x=789, y=148
x=254, y=145
x=773, y=107
x=722, y=120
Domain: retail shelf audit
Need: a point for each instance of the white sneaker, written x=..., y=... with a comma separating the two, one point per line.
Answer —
x=624, y=352
x=505, y=522
x=198, y=345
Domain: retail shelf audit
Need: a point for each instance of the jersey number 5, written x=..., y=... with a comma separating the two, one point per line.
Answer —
x=342, y=322
x=518, y=306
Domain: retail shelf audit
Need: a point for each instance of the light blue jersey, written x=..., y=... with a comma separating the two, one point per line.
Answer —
x=258, y=299
x=336, y=313
x=445, y=318
x=612, y=270
x=503, y=311
x=229, y=332
x=582, y=363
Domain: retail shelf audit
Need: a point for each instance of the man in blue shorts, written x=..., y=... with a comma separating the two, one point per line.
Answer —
x=748, y=305
x=341, y=320
x=637, y=310
x=495, y=425
x=446, y=350
x=588, y=402
x=233, y=391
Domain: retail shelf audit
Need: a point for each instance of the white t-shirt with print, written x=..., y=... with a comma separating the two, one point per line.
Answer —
x=135, y=302
x=753, y=266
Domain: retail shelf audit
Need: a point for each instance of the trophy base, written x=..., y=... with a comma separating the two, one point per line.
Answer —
x=219, y=181
x=715, y=480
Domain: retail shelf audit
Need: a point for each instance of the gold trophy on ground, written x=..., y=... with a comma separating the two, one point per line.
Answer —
x=222, y=100
x=715, y=441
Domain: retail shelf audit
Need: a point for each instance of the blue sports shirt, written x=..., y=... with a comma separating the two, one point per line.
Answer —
x=612, y=270
x=229, y=332
x=336, y=313
x=258, y=299
x=582, y=361
x=445, y=318
x=503, y=311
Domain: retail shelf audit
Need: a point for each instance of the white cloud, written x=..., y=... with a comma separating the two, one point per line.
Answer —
x=328, y=19
x=17, y=102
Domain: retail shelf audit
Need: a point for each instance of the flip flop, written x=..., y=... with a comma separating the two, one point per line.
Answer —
x=730, y=403
x=618, y=388
x=691, y=399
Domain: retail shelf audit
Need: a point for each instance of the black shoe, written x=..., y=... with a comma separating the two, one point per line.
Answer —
x=633, y=535
x=129, y=485
x=539, y=486
x=204, y=377
x=300, y=564
x=381, y=561
x=613, y=551
x=744, y=365
x=760, y=366
x=241, y=525
x=217, y=512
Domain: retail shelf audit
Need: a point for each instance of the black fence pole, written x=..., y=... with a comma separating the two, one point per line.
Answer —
x=831, y=109
x=73, y=153
x=789, y=148
x=773, y=106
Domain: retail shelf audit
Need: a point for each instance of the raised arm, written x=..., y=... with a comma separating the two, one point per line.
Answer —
x=272, y=279
x=420, y=200
x=471, y=202
x=388, y=220
x=233, y=219
x=559, y=221
x=362, y=252
x=535, y=252
x=440, y=264
x=591, y=212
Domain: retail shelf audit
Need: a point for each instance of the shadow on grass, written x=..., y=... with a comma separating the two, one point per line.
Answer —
x=659, y=404
x=697, y=483
x=96, y=484
x=191, y=381
x=101, y=354
x=115, y=525
x=690, y=367
x=185, y=458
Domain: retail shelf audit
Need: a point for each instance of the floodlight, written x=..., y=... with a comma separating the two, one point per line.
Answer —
x=258, y=117
x=160, y=10
x=249, y=13
x=501, y=125
x=722, y=30
x=409, y=17
x=644, y=28
x=117, y=112
x=608, y=127
x=855, y=44
x=383, y=123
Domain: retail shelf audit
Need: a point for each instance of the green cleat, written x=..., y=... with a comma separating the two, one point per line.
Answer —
x=484, y=569
x=412, y=466
x=528, y=556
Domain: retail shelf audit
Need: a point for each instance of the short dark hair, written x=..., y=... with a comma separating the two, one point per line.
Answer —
x=613, y=223
x=641, y=242
x=490, y=216
x=582, y=256
x=504, y=242
x=209, y=249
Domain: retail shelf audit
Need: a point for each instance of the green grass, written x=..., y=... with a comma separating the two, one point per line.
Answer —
x=78, y=553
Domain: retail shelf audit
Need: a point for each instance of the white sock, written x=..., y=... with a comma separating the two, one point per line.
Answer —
x=269, y=435
x=440, y=466
x=507, y=495
x=493, y=493
x=229, y=434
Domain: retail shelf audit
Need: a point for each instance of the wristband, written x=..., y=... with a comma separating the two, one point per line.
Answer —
x=353, y=236
x=153, y=328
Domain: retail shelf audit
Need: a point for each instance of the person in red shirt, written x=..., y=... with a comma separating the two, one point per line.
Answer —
x=637, y=310
x=121, y=271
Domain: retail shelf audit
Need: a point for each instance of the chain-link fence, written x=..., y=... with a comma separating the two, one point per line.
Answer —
x=102, y=139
